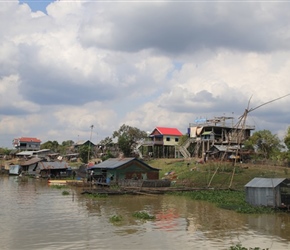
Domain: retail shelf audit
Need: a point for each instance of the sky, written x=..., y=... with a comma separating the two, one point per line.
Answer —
x=67, y=65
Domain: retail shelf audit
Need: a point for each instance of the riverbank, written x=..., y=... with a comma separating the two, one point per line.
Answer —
x=217, y=175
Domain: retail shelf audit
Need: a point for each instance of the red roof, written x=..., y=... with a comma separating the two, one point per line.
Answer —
x=168, y=131
x=29, y=139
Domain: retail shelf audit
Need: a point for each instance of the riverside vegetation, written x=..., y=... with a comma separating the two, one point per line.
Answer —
x=222, y=183
x=216, y=175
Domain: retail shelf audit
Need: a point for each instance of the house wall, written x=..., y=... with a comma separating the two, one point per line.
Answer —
x=169, y=140
x=263, y=196
x=29, y=146
x=135, y=171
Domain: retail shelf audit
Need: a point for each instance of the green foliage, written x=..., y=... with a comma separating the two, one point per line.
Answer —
x=65, y=146
x=116, y=218
x=65, y=192
x=60, y=186
x=107, y=155
x=143, y=215
x=265, y=144
x=227, y=199
x=67, y=143
x=97, y=196
x=5, y=151
x=128, y=138
x=56, y=147
x=52, y=145
x=84, y=153
x=240, y=247
x=107, y=142
x=287, y=139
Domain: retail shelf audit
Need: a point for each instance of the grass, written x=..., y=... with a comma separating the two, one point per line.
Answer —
x=227, y=199
x=199, y=175
x=219, y=176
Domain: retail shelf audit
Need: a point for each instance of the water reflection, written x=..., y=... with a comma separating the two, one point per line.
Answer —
x=34, y=215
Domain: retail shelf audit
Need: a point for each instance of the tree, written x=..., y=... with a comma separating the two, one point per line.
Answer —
x=5, y=151
x=107, y=142
x=52, y=145
x=287, y=139
x=84, y=153
x=286, y=154
x=265, y=143
x=65, y=147
x=67, y=143
x=128, y=138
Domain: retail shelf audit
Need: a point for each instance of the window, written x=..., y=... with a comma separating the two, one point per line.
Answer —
x=167, y=138
x=176, y=139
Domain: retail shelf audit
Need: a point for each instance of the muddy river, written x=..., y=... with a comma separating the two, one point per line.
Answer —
x=34, y=215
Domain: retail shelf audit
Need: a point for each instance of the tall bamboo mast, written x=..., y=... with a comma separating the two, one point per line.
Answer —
x=240, y=132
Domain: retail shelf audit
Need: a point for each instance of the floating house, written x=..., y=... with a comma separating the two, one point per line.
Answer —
x=54, y=169
x=46, y=169
x=29, y=166
x=270, y=192
x=119, y=169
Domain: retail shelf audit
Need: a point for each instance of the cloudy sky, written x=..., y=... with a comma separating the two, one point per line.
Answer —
x=67, y=65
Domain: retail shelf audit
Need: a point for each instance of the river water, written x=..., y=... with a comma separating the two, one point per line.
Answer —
x=34, y=215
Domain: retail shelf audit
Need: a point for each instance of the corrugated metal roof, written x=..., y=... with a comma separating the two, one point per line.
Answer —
x=25, y=153
x=113, y=163
x=168, y=131
x=30, y=162
x=52, y=165
x=265, y=182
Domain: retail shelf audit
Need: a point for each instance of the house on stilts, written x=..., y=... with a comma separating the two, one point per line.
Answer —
x=162, y=142
x=207, y=136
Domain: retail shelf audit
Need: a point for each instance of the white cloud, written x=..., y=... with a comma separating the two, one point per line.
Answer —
x=142, y=64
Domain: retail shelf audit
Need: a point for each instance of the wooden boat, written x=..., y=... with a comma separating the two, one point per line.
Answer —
x=63, y=182
x=57, y=182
